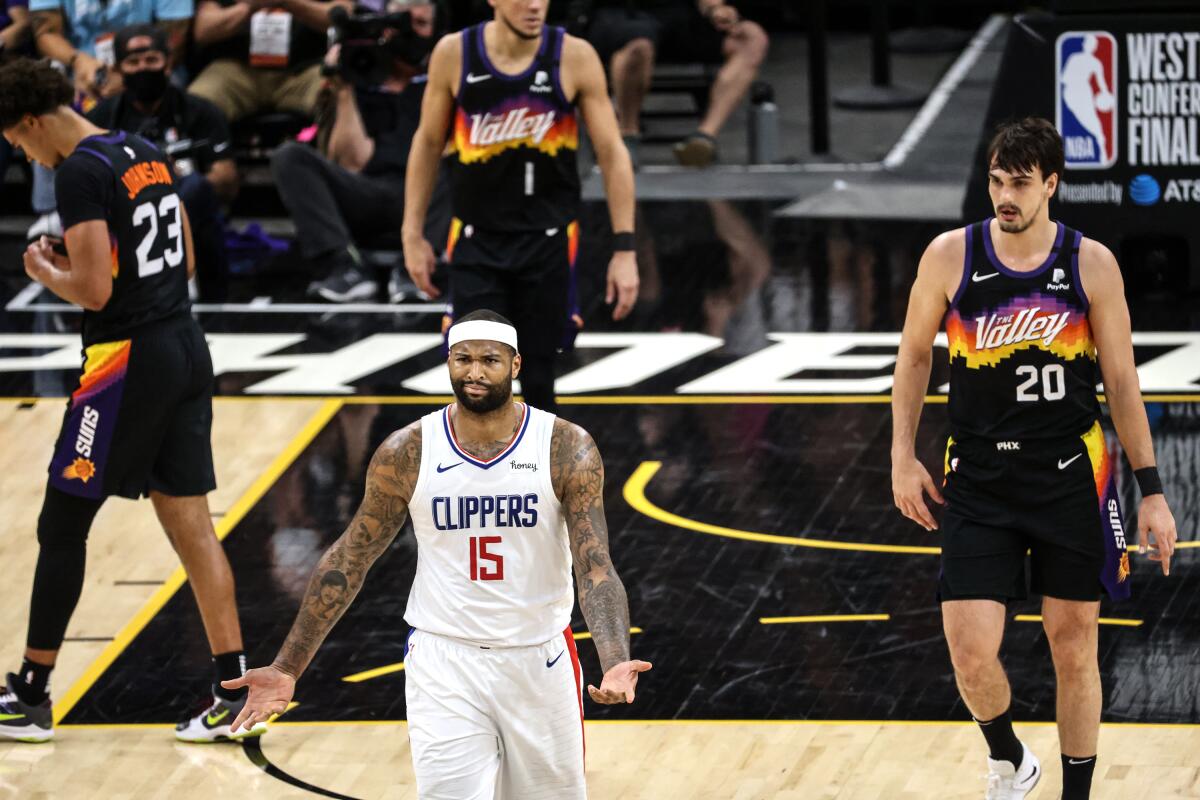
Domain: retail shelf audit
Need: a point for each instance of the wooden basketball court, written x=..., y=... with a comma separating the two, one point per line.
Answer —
x=361, y=752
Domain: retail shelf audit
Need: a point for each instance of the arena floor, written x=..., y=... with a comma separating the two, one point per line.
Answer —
x=788, y=608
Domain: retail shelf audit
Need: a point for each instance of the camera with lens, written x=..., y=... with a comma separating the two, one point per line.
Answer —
x=370, y=43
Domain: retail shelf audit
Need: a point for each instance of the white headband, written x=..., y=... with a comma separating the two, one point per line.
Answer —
x=485, y=330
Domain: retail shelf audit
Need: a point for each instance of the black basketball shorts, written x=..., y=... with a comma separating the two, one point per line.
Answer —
x=526, y=276
x=1053, y=499
x=141, y=418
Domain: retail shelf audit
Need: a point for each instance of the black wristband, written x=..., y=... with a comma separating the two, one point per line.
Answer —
x=1148, y=481
x=623, y=241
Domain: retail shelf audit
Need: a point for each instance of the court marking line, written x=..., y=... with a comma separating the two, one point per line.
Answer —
x=1127, y=623
x=634, y=493
x=887, y=723
x=398, y=666
x=233, y=516
x=252, y=747
x=825, y=618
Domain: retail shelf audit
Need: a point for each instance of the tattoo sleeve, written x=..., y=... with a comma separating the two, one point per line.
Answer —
x=578, y=476
x=341, y=571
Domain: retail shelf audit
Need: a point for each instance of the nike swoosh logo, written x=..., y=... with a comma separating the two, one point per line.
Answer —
x=1063, y=465
x=976, y=277
x=7, y=717
x=476, y=78
x=440, y=468
x=210, y=720
x=550, y=663
x=1084, y=761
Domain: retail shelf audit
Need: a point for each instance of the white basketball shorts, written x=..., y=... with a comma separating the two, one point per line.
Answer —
x=502, y=722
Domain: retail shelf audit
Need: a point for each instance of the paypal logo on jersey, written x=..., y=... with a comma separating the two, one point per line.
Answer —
x=1085, y=98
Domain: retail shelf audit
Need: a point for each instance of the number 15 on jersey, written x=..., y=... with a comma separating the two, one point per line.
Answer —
x=486, y=565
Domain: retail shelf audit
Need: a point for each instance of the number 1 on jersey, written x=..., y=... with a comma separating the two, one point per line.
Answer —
x=479, y=552
x=529, y=179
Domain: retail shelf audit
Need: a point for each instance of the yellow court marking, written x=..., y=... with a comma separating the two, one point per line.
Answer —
x=366, y=675
x=389, y=669
x=635, y=495
x=826, y=618
x=885, y=723
x=1126, y=623
x=171, y=585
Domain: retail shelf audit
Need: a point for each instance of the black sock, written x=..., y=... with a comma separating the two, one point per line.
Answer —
x=226, y=667
x=1077, y=777
x=1003, y=744
x=33, y=686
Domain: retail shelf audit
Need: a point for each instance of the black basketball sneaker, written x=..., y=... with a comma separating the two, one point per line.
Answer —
x=21, y=721
x=214, y=723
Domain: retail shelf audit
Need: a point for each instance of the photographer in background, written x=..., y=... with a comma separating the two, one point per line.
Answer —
x=354, y=189
x=190, y=131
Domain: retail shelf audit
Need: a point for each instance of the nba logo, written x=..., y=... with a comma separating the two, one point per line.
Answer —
x=1086, y=98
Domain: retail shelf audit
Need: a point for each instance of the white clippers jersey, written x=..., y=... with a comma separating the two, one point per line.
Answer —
x=493, y=560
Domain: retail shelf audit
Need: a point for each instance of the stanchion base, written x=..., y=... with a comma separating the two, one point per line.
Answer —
x=879, y=98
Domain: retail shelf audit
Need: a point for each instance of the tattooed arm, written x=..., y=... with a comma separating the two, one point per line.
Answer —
x=577, y=473
x=339, y=575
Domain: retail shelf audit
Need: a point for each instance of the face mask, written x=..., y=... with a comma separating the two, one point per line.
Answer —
x=147, y=86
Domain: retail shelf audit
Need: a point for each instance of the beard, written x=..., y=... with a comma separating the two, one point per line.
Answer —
x=1021, y=223
x=497, y=395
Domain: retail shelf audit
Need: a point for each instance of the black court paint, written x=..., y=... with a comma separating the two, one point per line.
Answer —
x=252, y=747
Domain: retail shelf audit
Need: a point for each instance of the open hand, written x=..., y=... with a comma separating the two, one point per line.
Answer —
x=619, y=683
x=270, y=692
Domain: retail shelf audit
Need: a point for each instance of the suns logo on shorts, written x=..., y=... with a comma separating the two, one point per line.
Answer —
x=1123, y=568
x=81, y=468
x=1085, y=89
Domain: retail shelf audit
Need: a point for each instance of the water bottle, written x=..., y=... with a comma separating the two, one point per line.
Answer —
x=763, y=124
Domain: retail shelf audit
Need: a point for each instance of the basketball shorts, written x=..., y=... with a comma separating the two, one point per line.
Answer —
x=1054, y=499
x=141, y=418
x=504, y=722
x=526, y=276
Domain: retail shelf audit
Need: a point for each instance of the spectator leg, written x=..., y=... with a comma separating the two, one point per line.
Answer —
x=208, y=236
x=744, y=49
x=231, y=86
x=631, y=71
x=299, y=92
x=322, y=199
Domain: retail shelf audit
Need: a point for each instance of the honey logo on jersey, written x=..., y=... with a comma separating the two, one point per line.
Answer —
x=1085, y=98
x=80, y=469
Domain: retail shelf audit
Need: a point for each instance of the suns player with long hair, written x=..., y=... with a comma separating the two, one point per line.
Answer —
x=1035, y=314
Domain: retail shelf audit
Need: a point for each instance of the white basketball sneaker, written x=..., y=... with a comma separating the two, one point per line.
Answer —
x=215, y=724
x=1006, y=782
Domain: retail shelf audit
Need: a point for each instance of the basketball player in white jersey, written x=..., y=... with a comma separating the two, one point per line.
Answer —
x=504, y=499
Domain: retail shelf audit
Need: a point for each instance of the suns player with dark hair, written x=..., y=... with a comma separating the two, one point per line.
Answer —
x=1035, y=314
x=509, y=94
x=139, y=423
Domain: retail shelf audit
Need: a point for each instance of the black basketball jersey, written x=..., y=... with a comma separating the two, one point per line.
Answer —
x=515, y=138
x=127, y=182
x=1022, y=359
